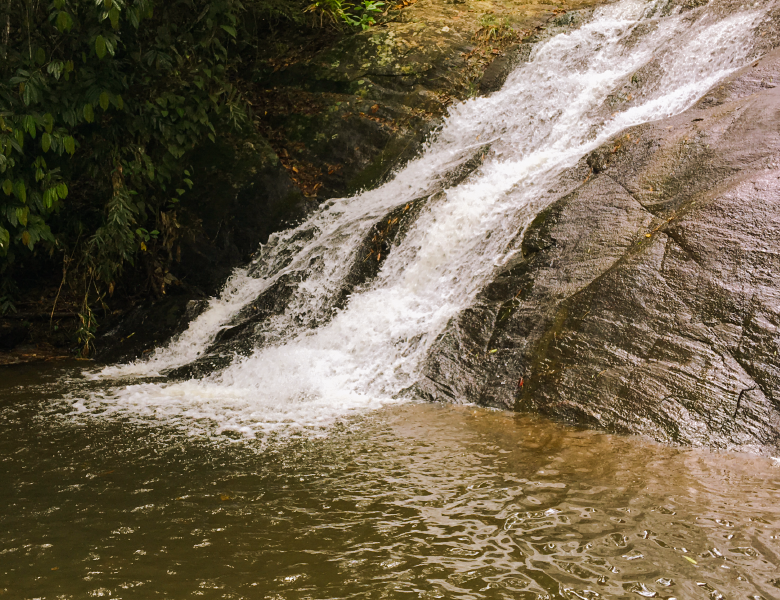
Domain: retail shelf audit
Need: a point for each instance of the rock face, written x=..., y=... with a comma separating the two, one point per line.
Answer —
x=241, y=196
x=647, y=298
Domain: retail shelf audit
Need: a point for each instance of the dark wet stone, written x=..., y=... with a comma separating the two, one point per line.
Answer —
x=201, y=367
x=141, y=329
x=341, y=120
x=498, y=71
x=647, y=300
x=241, y=196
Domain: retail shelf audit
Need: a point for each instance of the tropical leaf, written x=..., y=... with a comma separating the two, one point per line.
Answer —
x=100, y=46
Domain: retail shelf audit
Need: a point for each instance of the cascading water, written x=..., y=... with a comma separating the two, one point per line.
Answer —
x=551, y=111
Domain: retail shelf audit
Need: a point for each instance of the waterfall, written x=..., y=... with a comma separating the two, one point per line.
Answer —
x=317, y=362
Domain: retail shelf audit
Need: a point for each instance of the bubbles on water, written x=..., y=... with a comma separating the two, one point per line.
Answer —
x=642, y=590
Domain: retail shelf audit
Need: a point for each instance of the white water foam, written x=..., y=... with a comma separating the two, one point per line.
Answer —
x=547, y=116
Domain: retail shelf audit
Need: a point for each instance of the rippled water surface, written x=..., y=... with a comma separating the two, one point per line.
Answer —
x=412, y=501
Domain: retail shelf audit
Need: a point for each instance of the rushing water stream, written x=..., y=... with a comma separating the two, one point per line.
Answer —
x=305, y=468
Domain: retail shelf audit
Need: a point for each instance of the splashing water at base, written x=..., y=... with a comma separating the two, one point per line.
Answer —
x=551, y=112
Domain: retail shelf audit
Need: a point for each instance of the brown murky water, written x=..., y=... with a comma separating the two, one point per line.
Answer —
x=414, y=501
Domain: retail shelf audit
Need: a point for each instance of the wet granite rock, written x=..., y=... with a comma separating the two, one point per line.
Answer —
x=137, y=332
x=497, y=72
x=646, y=299
x=241, y=195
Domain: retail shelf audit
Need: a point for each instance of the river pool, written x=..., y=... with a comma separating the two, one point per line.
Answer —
x=409, y=501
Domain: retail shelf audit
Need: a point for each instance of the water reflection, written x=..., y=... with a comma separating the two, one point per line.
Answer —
x=417, y=501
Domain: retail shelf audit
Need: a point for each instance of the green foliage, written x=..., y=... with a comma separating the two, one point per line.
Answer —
x=290, y=11
x=367, y=11
x=336, y=12
x=330, y=11
x=8, y=291
x=86, y=331
x=6, y=305
x=491, y=29
x=103, y=99
x=100, y=102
